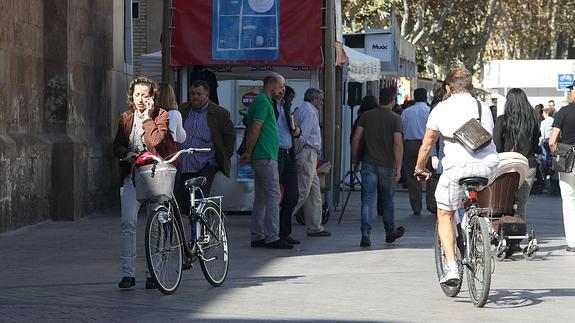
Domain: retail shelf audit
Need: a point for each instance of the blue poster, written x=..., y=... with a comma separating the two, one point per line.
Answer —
x=563, y=81
x=245, y=30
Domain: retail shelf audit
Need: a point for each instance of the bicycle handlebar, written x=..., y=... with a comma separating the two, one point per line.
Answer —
x=132, y=158
x=188, y=151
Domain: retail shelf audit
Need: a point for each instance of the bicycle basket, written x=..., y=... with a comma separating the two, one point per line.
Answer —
x=154, y=182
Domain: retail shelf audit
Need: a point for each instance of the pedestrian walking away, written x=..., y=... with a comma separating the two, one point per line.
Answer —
x=414, y=119
x=457, y=163
x=564, y=132
x=517, y=130
x=381, y=129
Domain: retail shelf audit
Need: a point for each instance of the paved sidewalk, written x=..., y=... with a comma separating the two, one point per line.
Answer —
x=63, y=271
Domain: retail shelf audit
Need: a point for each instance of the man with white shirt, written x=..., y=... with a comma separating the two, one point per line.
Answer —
x=458, y=163
x=414, y=119
x=308, y=147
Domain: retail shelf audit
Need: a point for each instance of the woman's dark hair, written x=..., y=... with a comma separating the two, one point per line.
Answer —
x=519, y=121
x=538, y=108
x=289, y=90
x=438, y=95
x=387, y=95
x=367, y=103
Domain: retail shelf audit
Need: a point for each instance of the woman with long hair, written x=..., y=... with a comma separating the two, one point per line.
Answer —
x=143, y=128
x=167, y=101
x=518, y=130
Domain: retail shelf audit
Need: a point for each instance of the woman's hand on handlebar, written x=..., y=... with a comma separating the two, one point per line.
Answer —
x=130, y=157
x=422, y=175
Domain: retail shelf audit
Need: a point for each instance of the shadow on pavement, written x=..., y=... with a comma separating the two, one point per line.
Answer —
x=516, y=298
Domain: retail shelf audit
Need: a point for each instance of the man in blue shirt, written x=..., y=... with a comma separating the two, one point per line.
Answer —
x=207, y=125
x=287, y=167
x=414, y=119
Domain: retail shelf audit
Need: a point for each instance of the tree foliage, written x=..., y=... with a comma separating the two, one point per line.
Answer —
x=451, y=33
x=536, y=29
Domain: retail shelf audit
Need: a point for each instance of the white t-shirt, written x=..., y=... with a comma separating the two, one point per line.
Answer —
x=451, y=114
x=176, y=127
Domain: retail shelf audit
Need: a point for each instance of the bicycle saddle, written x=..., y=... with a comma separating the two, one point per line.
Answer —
x=196, y=182
x=474, y=183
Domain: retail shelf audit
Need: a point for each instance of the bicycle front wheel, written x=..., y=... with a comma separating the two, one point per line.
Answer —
x=479, y=261
x=214, y=245
x=441, y=264
x=164, y=251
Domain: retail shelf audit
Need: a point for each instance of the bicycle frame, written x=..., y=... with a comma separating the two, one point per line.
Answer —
x=192, y=247
x=472, y=210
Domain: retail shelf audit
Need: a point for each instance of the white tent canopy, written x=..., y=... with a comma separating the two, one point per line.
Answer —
x=362, y=67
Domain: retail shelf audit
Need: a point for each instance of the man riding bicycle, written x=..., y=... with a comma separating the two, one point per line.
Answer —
x=458, y=163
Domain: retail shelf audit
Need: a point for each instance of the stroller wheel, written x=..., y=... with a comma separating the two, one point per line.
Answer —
x=529, y=255
x=501, y=255
x=503, y=250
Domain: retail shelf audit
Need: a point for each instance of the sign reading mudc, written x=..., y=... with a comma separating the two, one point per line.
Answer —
x=563, y=81
x=379, y=46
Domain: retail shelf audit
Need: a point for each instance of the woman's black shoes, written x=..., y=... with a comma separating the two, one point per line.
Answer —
x=150, y=283
x=127, y=282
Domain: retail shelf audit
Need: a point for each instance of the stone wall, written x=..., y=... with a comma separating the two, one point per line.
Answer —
x=55, y=110
x=140, y=41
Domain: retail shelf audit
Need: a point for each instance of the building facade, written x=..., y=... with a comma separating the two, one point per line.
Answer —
x=62, y=86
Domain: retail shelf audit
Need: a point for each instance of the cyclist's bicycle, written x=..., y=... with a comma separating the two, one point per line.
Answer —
x=168, y=251
x=473, y=250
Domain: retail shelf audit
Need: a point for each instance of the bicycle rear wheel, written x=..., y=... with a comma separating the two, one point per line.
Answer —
x=214, y=245
x=164, y=251
x=441, y=263
x=478, y=267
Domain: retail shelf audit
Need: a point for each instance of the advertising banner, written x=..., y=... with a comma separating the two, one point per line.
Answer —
x=246, y=95
x=245, y=30
x=248, y=32
x=563, y=81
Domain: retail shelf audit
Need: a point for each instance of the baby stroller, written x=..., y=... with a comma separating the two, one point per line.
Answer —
x=509, y=227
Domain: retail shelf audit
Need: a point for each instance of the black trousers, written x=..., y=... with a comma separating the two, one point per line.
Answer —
x=182, y=193
x=287, y=169
x=414, y=187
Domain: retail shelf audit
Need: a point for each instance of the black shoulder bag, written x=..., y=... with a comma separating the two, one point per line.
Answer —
x=471, y=135
x=564, y=156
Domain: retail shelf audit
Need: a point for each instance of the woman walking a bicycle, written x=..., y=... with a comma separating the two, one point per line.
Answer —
x=143, y=128
x=458, y=163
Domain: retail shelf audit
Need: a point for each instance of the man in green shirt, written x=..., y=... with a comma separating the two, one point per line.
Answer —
x=262, y=147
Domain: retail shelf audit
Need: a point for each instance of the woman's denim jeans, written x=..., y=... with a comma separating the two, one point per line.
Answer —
x=374, y=177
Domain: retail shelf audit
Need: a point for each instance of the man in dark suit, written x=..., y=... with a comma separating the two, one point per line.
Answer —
x=207, y=125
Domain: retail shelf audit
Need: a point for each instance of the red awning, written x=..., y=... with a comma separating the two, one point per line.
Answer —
x=299, y=43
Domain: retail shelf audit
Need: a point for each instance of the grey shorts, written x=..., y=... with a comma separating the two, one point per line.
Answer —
x=449, y=193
